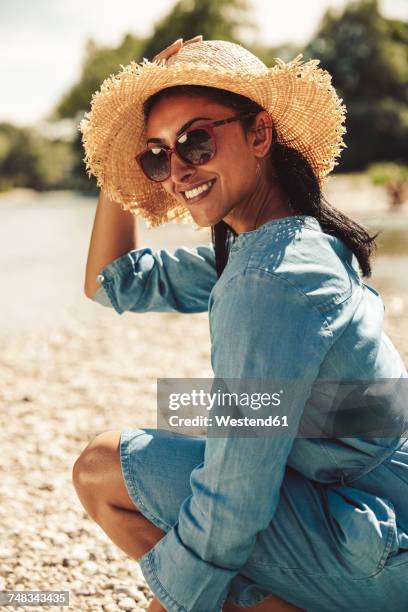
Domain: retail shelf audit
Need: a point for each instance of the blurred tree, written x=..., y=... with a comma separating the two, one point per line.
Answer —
x=394, y=177
x=17, y=159
x=98, y=64
x=285, y=52
x=28, y=160
x=214, y=19
x=82, y=182
x=367, y=55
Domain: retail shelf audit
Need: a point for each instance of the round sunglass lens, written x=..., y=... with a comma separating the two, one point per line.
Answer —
x=155, y=164
x=195, y=147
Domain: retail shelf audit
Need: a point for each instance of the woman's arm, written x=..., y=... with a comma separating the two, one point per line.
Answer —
x=143, y=280
x=114, y=230
x=114, y=233
x=127, y=278
x=121, y=276
x=267, y=336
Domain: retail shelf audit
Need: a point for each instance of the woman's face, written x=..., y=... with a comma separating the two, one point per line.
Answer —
x=231, y=172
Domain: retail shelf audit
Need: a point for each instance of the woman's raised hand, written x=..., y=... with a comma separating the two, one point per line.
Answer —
x=175, y=47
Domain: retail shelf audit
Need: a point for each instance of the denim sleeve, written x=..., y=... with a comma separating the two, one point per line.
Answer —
x=143, y=280
x=262, y=327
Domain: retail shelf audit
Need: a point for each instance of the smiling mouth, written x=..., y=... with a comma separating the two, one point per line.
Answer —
x=199, y=192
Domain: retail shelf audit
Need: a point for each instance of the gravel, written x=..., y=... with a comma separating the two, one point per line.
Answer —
x=58, y=390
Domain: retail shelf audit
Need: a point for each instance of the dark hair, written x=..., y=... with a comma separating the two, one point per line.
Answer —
x=295, y=176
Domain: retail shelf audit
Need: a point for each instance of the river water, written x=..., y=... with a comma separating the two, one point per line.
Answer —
x=44, y=245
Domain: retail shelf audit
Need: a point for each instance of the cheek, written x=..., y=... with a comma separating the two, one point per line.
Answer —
x=236, y=176
x=234, y=158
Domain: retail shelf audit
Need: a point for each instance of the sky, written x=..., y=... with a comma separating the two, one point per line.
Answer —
x=42, y=41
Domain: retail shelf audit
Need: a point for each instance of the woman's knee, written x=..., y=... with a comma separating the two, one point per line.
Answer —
x=97, y=474
x=97, y=460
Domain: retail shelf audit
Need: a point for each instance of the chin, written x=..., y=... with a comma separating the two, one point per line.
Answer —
x=204, y=220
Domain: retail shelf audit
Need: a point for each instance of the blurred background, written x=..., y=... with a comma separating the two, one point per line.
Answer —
x=55, y=56
x=70, y=368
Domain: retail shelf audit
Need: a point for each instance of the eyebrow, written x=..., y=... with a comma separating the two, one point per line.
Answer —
x=180, y=131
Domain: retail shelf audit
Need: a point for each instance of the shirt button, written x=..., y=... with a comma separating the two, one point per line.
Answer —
x=100, y=278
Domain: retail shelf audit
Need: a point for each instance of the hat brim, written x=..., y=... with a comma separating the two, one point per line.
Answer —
x=304, y=106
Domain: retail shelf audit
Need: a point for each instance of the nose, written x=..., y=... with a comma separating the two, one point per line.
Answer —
x=181, y=172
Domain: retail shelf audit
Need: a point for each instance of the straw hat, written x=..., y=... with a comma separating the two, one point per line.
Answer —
x=300, y=98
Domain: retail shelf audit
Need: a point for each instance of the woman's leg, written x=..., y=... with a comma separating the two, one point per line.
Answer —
x=98, y=480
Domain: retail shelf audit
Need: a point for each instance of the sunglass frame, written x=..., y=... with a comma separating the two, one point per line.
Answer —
x=208, y=127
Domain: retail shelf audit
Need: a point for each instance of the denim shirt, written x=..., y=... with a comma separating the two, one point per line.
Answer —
x=290, y=305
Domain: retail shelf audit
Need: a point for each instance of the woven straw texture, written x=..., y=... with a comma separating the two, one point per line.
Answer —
x=299, y=96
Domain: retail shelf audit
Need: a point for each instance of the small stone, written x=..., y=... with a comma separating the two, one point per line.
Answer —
x=79, y=553
x=91, y=567
x=5, y=553
x=137, y=575
x=111, y=584
x=77, y=573
x=38, y=545
x=48, y=486
x=69, y=528
x=121, y=588
x=111, y=607
x=135, y=594
x=141, y=598
x=76, y=585
x=127, y=603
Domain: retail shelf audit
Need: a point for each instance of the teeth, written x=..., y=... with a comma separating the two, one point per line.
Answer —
x=195, y=192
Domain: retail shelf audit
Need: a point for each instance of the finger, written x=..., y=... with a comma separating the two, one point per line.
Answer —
x=176, y=43
x=170, y=50
x=198, y=38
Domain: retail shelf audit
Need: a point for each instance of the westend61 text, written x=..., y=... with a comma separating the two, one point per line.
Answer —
x=227, y=421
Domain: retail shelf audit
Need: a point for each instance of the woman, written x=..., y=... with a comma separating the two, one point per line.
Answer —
x=316, y=519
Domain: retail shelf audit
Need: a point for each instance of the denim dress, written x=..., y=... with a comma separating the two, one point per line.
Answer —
x=319, y=520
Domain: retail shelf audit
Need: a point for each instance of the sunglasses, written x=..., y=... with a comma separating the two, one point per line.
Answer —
x=195, y=146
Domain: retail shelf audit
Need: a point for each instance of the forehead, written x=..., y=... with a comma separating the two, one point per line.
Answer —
x=170, y=113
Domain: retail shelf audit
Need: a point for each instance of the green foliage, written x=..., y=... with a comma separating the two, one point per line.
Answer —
x=81, y=181
x=384, y=173
x=214, y=19
x=29, y=160
x=367, y=56
x=99, y=63
x=285, y=52
x=392, y=176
